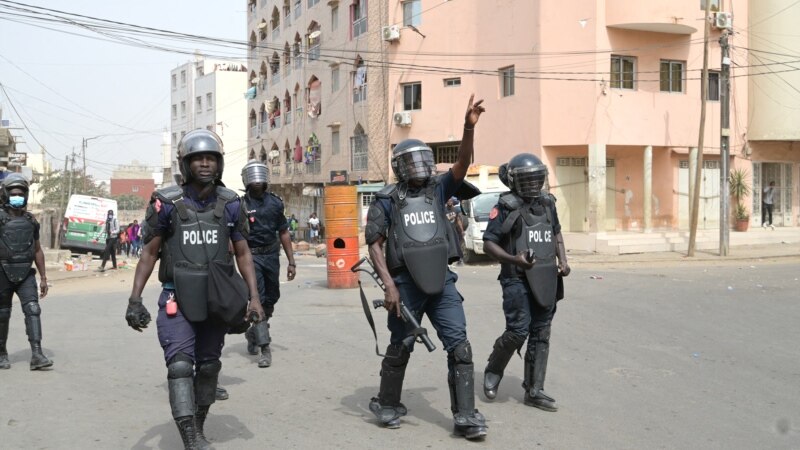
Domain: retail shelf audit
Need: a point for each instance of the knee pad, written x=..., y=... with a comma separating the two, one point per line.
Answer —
x=180, y=366
x=462, y=354
x=397, y=355
x=512, y=340
x=209, y=369
x=31, y=309
x=541, y=334
x=5, y=313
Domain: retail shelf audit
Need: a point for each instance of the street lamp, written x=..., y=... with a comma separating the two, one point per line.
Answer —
x=83, y=152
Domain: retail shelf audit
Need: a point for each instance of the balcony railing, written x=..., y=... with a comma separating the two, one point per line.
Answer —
x=276, y=33
x=314, y=168
x=276, y=78
x=359, y=27
x=264, y=127
x=313, y=53
x=276, y=169
x=360, y=94
x=254, y=131
x=298, y=61
x=275, y=122
x=288, y=117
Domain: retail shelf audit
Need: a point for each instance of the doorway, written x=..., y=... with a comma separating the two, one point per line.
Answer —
x=781, y=174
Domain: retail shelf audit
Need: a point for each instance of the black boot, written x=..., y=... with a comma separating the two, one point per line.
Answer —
x=536, y=369
x=251, y=345
x=33, y=326
x=221, y=393
x=188, y=432
x=504, y=348
x=386, y=406
x=205, y=391
x=266, y=357
x=468, y=421
x=199, y=421
x=5, y=315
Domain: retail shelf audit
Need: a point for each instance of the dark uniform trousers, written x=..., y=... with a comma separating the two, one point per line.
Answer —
x=523, y=314
x=268, y=268
x=28, y=292
x=200, y=341
x=445, y=312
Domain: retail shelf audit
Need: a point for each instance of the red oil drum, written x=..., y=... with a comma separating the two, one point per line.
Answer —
x=341, y=235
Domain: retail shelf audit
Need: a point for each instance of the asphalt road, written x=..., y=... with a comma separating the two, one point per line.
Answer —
x=690, y=355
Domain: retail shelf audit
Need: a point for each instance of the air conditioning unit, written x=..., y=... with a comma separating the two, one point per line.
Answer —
x=402, y=119
x=723, y=21
x=391, y=33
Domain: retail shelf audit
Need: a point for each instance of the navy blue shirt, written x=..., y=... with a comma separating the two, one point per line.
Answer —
x=233, y=213
x=266, y=218
x=444, y=190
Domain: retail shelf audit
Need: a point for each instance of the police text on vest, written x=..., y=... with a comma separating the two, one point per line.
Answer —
x=418, y=218
x=194, y=237
x=536, y=236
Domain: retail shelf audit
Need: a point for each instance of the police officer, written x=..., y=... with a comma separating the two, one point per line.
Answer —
x=187, y=226
x=524, y=235
x=409, y=218
x=19, y=249
x=269, y=231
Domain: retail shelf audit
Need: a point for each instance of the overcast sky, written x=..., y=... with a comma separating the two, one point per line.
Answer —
x=79, y=87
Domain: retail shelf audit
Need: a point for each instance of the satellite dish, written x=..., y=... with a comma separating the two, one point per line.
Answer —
x=262, y=25
x=314, y=34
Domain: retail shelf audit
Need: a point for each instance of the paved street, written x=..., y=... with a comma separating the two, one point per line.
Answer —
x=695, y=354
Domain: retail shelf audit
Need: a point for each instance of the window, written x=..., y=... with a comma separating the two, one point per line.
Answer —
x=198, y=104
x=183, y=78
x=713, y=8
x=183, y=109
x=358, y=151
x=358, y=11
x=209, y=101
x=314, y=42
x=334, y=18
x=412, y=13
x=623, y=69
x=298, y=8
x=367, y=199
x=174, y=139
x=360, y=82
x=713, y=86
x=412, y=96
x=507, y=81
x=671, y=77
x=174, y=81
x=335, y=142
x=174, y=112
x=134, y=188
x=312, y=3
x=452, y=82
x=447, y=154
x=335, y=79
x=200, y=70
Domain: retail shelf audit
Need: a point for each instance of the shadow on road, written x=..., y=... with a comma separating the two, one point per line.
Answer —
x=217, y=429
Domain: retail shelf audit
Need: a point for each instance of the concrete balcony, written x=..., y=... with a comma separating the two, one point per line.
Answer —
x=657, y=16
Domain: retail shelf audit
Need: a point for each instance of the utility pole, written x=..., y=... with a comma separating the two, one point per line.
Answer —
x=83, y=152
x=694, y=202
x=64, y=174
x=724, y=143
x=72, y=170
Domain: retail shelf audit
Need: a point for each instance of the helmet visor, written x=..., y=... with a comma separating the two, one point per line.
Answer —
x=529, y=181
x=415, y=165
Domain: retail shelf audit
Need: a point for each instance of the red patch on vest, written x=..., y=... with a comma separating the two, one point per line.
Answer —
x=494, y=213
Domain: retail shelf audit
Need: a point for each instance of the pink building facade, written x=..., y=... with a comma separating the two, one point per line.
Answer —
x=607, y=93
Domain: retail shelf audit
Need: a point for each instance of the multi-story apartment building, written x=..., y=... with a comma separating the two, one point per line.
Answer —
x=773, y=132
x=606, y=93
x=314, y=107
x=208, y=94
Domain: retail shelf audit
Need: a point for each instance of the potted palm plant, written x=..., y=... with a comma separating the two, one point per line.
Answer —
x=740, y=188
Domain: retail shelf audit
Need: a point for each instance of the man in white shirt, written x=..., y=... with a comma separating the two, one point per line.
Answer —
x=767, y=205
x=112, y=236
x=313, y=227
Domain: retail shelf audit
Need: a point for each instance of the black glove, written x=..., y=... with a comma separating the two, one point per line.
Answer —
x=137, y=315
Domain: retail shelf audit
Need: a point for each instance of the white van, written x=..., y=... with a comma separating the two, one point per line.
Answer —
x=83, y=228
x=476, y=212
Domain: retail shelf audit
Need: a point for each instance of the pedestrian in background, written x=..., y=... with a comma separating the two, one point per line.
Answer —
x=313, y=228
x=112, y=236
x=134, y=238
x=767, y=202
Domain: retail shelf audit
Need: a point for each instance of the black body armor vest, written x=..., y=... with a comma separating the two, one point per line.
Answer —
x=196, y=237
x=421, y=239
x=17, y=246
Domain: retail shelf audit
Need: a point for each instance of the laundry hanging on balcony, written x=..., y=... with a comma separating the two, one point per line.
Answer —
x=251, y=93
x=298, y=153
x=314, y=98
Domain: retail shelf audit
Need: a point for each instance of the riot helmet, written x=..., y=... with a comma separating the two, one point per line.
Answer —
x=12, y=181
x=412, y=159
x=198, y=142
x=527, y=175
x=502, y=173
x=255, y=172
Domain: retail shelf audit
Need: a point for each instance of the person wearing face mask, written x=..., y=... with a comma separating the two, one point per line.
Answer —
x=188, y=227
x=269, y=232
x=112, y=238
x=19, y=249
x=409, y=218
